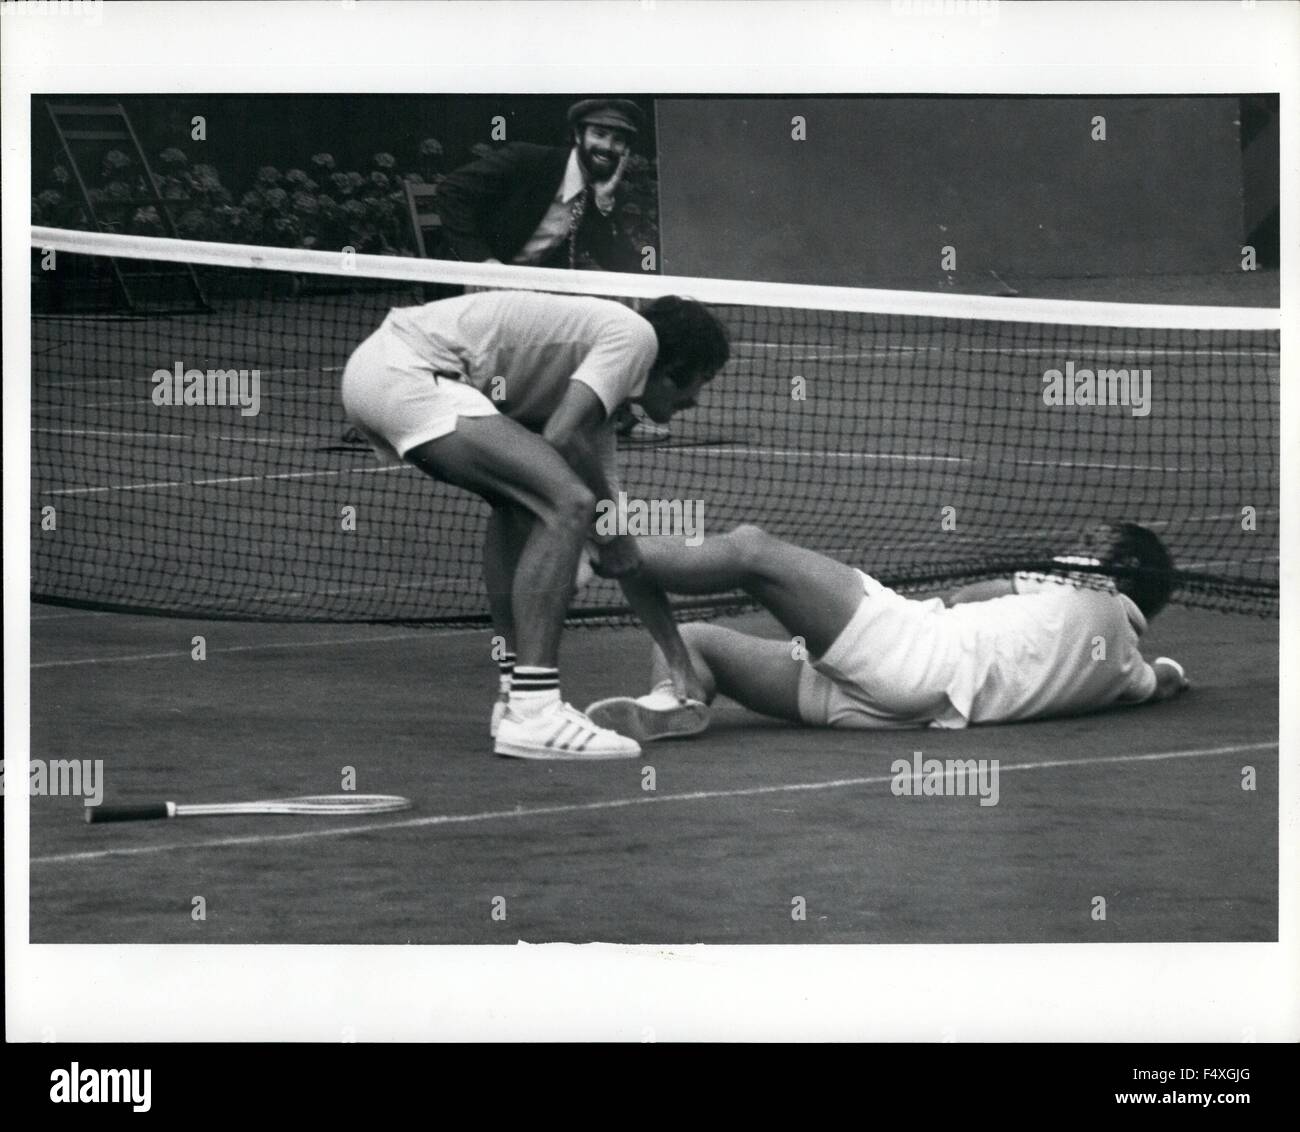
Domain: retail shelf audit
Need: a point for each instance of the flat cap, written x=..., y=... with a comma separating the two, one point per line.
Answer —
x=618, y=113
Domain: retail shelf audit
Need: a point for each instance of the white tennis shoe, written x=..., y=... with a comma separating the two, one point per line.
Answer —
x=498, y=710
x=656, y=715
x=559, y=732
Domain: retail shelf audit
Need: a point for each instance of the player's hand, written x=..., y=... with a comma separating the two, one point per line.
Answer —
x=1170, y=676
x=605, y=191
x=619, y=558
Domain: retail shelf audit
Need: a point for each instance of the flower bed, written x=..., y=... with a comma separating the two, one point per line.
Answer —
x=321, y=207
x=325, y=208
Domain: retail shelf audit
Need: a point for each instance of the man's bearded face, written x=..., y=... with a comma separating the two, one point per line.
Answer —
x=600, y=148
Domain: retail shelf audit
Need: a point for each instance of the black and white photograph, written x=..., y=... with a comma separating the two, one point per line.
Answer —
x=614, y=510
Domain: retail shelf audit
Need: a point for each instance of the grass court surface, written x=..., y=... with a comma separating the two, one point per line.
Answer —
x=1143, y=807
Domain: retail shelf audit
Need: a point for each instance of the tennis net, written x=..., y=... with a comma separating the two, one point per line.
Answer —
x=928, y=439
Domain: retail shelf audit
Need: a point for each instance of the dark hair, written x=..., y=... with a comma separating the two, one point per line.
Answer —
x=1141, y=566
x=691, y=339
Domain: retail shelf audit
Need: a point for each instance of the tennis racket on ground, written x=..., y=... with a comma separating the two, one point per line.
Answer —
x=319, y=804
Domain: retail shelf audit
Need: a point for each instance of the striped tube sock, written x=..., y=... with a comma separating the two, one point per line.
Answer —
x=533, y=690
x=507, y=667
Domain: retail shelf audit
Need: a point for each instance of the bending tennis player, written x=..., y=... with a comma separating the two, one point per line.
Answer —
x=508, y=395
x=1009, y=649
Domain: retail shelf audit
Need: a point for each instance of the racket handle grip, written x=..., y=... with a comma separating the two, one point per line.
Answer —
x=139, y=811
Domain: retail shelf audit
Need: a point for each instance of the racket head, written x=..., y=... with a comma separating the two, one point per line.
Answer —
x=332, y=804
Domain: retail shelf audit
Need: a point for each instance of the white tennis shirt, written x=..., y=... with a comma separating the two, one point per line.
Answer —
x=535, y=343
x=1051, y=648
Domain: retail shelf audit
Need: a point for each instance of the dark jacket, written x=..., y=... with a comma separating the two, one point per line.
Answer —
x=490, y=208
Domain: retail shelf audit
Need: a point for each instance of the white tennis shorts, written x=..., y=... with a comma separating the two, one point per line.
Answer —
x=399, y=400
x=890, y=667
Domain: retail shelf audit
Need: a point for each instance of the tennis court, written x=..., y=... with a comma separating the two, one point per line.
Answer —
x=1145, y=808
x=207, y=514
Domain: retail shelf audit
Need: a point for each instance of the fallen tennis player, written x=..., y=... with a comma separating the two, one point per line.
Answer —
x=864, y=656
x=509, y=395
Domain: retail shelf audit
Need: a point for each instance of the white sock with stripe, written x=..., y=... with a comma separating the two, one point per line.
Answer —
x=506, y=666
x=533, y=689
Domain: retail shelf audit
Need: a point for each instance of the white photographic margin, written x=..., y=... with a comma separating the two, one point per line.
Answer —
x=1178, y=992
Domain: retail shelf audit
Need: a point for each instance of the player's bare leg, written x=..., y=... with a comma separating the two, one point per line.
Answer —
x=507, y=532
x=814, y=597
x=511, y=467
x=760, y=674
x=503, y=462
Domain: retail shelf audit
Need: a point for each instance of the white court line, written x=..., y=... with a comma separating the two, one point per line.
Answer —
x=681, y=450
x=676, y=450
x=222, y=480
x=1122, y=467
x=133, y=657
x=281, y=440
x=57, y=614
x=1228, y=562
x=815, y=453
x=144, y=403
x=79, y=381
x=613, y=804
x=977, y=542
x=445, y=582
x=1045, y=351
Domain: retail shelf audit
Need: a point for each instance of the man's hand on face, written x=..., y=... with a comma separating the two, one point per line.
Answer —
x=605, y=191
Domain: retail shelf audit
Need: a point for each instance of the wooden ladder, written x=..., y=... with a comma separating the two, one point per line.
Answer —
x=86, y=132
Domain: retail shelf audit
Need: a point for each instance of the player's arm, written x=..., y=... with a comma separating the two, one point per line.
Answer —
x=1162, y=679
x=599, y=385
x=572, y=429
x=1170, y=679
x=650, y=604
x=981, y=591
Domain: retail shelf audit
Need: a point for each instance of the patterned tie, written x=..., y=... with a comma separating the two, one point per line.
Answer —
x=577, y=211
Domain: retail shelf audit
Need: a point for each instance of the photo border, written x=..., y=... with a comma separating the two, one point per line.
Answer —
x=1078, y=992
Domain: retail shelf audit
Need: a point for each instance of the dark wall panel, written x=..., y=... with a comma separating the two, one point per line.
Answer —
x=882, y=184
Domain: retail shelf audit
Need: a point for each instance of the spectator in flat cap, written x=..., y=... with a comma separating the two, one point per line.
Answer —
x=551, y=206
x=548, y=206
